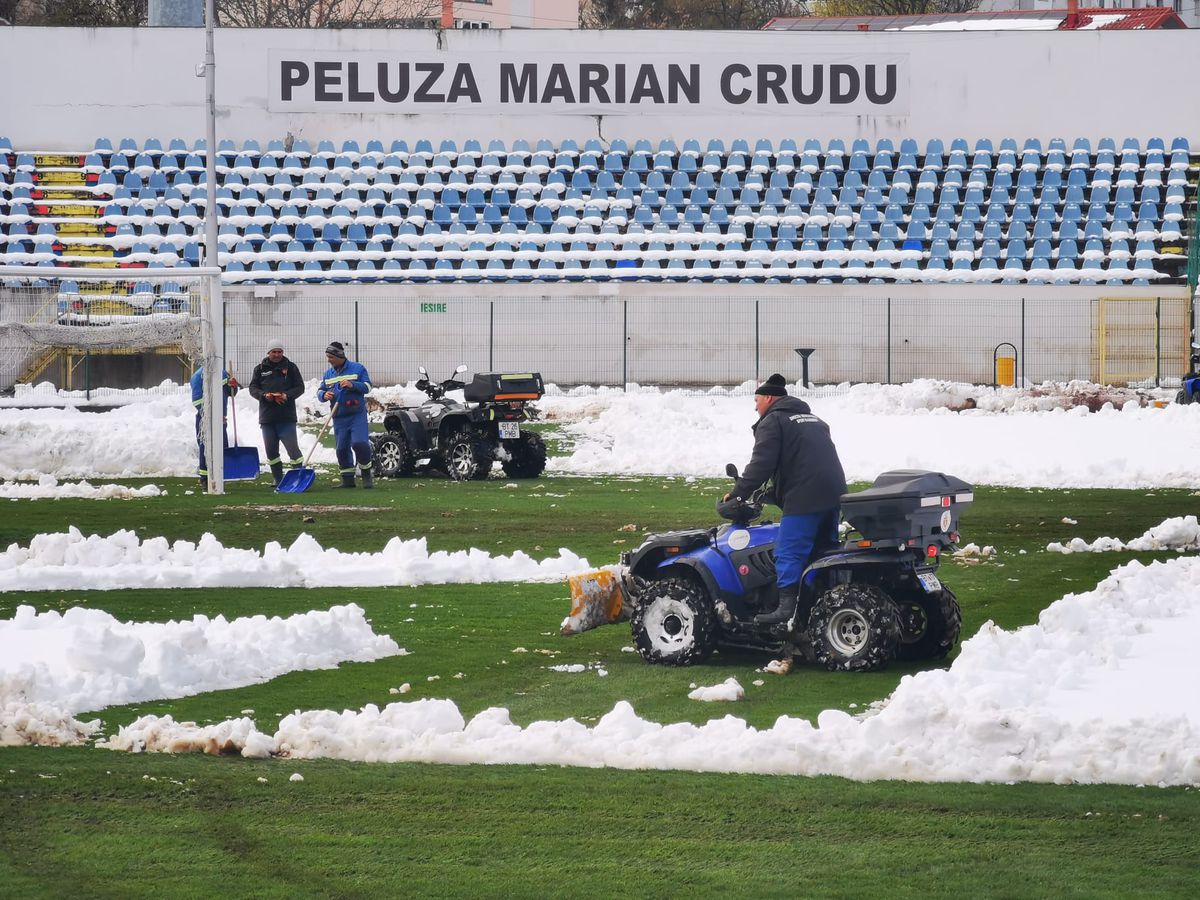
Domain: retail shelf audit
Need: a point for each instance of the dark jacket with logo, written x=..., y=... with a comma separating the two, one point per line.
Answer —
x=793, y=447
x=276, y=378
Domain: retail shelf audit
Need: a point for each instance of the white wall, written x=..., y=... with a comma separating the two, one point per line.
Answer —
x=714, y=334
x=65, y=87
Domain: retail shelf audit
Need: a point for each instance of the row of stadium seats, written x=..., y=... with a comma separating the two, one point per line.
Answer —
x=620, y=209
x=473, y=148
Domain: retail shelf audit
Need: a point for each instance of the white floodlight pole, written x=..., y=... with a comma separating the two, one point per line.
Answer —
x=214, y=389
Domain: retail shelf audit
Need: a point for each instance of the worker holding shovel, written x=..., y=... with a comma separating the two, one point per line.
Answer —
x=230, y=388
x=346, y=385
x=276, y=384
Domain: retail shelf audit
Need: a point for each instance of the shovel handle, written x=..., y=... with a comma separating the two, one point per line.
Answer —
x=320, y=434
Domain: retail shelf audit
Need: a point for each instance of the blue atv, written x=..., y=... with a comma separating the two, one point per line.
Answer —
x=1189, y=389
x=864, y=602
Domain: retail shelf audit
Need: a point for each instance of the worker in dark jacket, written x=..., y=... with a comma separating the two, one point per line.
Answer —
x=346, y=385
x=794, y=450
x=276, y=384
x=229, y=388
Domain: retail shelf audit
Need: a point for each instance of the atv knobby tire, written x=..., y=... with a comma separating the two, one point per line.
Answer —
x=673, y=623
x=392, y=456
x=854, y=628
x=929, y=624
x=526, y=456
x=465, y=457
x=1183, y=397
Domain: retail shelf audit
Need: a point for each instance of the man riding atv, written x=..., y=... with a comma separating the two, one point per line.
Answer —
x=794, y=450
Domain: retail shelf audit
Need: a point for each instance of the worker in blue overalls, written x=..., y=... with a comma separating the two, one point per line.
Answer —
x=229, y=387
x=346, y=385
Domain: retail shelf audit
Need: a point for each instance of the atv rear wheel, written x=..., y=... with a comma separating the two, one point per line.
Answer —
x=929, y=624
x=673, y=624
x=854, y=628
x=526, y=456
x=465, y=458
x=391, y=455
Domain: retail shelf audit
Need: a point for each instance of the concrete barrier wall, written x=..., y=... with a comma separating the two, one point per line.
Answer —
x=68, y=86
x=720, y=335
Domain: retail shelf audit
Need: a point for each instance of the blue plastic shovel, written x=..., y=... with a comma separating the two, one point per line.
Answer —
x=297, y=481
x=241, y=463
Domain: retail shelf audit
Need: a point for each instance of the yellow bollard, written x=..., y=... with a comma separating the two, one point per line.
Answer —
x=1006, y=371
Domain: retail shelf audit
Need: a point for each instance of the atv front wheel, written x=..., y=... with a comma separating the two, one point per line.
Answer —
x=526, y=457
x=854, y=628
x=929, y=625
x=465, y=458
x=673, y=624
x=391, y=455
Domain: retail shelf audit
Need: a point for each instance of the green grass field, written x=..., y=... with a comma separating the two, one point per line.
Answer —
x=120, y=825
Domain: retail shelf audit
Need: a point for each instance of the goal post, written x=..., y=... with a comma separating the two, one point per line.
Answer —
x=75, y=318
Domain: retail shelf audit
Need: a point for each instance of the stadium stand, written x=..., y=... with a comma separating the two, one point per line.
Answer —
x=894, y=212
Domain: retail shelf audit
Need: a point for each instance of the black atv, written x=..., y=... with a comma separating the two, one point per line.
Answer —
x=873, y=598
x=463, y=439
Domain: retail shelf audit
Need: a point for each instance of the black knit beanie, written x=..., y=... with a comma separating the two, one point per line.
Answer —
x=335, y=348
x=774, y=386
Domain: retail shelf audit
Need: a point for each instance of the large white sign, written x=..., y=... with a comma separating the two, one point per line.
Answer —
x=810, y=83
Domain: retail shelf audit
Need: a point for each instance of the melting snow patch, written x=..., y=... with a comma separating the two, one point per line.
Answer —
x=53, y=665
x=1101, y=690
x=71, y=561
x=48, y=487
x=727, y=690
x=1179, y=533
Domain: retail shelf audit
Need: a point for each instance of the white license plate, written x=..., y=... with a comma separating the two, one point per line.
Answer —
x=929, y=581
x=509, y=430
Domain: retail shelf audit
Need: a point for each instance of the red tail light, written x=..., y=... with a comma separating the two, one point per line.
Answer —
x=931, y=550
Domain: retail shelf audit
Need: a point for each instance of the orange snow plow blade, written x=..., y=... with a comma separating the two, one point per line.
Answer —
x=596, y=600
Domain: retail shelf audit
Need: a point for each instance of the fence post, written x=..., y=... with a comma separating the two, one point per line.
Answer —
x=756, y=343
x=889, y=340
x=491, y=335
x=1022, y=342
x=1158, y=341
x=624, y=345
x=357, y=347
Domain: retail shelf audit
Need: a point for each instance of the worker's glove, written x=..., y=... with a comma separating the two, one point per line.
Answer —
x=233, y=383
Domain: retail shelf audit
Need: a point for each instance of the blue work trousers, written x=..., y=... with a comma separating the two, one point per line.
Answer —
x=798, y=537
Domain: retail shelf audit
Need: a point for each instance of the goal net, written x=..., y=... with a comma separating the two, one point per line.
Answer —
x=76, y=335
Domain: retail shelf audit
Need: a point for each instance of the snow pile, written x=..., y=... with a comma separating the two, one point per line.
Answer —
x=1179, y=533
x=727, y=690
x=1100, y=690
x=53, y=665
x=43, y=724
x=153, y=437
x=1016, y=439
x=1034, y=437
x=70, y=561
x=155, y=734
x=48, y=486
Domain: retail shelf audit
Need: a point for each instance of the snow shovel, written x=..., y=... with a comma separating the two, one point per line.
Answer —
x=596, y=599
x=241, y=463
x=297, y=481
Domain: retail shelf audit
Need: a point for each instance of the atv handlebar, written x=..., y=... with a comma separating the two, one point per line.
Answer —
x=435, y=390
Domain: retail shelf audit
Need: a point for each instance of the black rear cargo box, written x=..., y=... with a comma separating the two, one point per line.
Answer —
x=909, y=505
x=487, y=386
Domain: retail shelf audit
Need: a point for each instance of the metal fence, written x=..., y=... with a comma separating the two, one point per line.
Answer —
x=723, y=339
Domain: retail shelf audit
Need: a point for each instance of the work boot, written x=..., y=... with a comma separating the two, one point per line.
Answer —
x=277, y=472
x=368, y=478
x=788, y=596
x=347, y=480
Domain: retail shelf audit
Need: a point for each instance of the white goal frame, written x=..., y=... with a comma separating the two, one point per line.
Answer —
x=50, y=331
